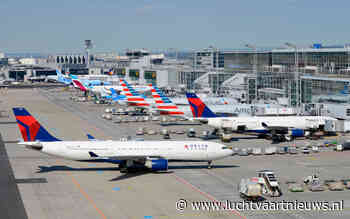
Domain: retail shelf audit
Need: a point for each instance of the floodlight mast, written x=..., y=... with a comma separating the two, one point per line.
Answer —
x=297, y=74
x=255, y=68
x=88, y=47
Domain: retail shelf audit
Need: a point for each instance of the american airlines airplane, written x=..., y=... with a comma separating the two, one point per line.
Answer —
x=129, y=155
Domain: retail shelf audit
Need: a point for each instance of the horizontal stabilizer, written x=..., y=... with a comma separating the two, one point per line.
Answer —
x=92, y=154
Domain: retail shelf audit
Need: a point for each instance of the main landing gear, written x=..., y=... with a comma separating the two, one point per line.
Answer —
x=209, y=164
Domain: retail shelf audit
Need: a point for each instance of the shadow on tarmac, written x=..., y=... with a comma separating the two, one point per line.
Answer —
x=45, y=169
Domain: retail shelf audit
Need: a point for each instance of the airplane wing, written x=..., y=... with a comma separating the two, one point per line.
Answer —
x=279, y=128
x=123, y=157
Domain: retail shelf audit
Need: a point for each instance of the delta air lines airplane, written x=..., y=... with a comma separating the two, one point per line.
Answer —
x=129, y=155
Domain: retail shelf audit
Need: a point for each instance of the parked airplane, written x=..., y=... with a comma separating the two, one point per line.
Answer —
x=133, y=98
x=88, y=82
x=163, y=104
x=195, y=107
x=67, y=79
x=59, y=77
x=277, y=127
x=166, y=106
x=114, y=96
x=151, y=155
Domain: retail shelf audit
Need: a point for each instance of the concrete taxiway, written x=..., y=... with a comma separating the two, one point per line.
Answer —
x=54, y=188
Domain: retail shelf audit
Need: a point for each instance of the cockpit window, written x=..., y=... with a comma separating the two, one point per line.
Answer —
x=225, y=147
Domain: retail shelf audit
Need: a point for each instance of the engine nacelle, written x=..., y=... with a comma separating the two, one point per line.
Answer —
x=297, y=133
x=157, y=164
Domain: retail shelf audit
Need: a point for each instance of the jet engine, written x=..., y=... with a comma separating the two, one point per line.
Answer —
x=157, y=164
x=296, y=132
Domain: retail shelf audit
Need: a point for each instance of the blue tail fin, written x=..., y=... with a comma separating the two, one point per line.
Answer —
x=30, y=128
x=61, y=78
x=115, y=95
x=58, y=72
x=90, y=137
x=198, y=108
x=113, y=92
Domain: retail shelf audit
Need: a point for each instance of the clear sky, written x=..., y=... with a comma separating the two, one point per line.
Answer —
x=63, y=25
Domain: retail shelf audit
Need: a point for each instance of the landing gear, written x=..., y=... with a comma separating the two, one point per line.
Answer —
x=209, y=164
x=277, y=138
x=215, y=132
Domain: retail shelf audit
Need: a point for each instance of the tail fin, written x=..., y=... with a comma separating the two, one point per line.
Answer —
x=133, y=97
x=163, y=103
x=115, y=95
x=79, y=85
x=59, y=73
x=198, y=108
x=61, y=78
x=113, y=92
x=30, y=128
x=91, y=138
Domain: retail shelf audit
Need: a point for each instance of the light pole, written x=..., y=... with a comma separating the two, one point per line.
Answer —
x=216, y=52
x=255, y=67
x=88, y=46
x=296, y=75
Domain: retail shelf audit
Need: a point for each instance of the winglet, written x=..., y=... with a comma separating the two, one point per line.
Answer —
x=90, y=137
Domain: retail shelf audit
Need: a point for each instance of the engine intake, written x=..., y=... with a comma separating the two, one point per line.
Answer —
x=157, y=164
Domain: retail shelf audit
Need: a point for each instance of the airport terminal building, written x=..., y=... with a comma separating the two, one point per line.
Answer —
x=263, y=73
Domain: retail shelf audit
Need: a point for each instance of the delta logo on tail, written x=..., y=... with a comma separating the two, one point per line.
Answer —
x=164, y=104
x=30, y=128
x=133, y=97
x=198, y=108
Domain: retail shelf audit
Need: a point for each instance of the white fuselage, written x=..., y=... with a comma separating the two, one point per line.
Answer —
x=255, y=123
x=130, y=150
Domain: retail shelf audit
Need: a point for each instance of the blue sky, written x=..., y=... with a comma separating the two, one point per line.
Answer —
x=114, y=25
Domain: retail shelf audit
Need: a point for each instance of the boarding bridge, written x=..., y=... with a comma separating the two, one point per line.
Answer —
x=203, y=81
x=236, y=82
x=212, y=80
